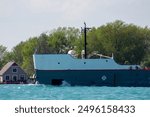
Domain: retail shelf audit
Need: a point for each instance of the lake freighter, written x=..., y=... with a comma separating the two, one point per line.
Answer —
x=59, y=69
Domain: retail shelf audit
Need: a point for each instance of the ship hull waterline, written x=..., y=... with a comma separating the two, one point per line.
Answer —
x=123, y=77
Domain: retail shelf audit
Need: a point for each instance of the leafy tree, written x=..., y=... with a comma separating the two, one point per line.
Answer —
x=126, y=41
x=17, y=53
x=28, y=50
x=3, y=51
x=63, y=39
x=42, y=44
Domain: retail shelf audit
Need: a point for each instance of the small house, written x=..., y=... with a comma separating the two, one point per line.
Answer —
x=11, y=73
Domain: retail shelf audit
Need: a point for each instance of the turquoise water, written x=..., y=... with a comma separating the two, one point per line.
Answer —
x=44, y=92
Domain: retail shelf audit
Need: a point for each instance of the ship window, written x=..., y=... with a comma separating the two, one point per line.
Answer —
x=84, y=62
x=58, y=62
x=106, y=60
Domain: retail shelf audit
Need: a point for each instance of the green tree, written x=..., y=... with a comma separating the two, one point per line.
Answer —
x=3, y=51
x=63, y=39
x=28, y=50
x=17, y=53
x=42, y=45
x=126, y=41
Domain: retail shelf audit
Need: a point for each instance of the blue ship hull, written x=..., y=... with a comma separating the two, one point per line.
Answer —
x=136, y=78
x=57, y=69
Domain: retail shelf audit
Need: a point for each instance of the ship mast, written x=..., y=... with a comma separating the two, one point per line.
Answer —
x=85, y=42
x=85, y=53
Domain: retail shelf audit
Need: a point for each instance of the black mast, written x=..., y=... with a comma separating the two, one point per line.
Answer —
x=85, y=53
x=85, y=43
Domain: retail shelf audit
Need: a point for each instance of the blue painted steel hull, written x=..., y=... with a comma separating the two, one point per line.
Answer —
x=136, y=78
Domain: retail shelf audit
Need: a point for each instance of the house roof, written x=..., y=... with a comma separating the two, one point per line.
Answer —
x=6, y=67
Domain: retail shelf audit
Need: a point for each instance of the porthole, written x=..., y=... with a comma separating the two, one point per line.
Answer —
x=104, y=78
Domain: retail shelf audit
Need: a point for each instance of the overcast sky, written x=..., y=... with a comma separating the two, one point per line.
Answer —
x=22, y=19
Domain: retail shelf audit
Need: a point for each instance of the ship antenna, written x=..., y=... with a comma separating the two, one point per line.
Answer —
x=85, y=42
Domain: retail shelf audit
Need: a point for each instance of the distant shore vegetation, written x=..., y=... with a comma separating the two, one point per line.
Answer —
x=129, y=43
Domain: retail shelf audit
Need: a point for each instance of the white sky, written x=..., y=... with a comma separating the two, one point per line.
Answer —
x=22, y=19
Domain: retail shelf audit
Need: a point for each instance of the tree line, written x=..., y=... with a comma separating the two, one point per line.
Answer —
x=129, y=43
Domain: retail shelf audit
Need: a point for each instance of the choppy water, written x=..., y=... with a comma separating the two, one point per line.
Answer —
x=44, y=92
